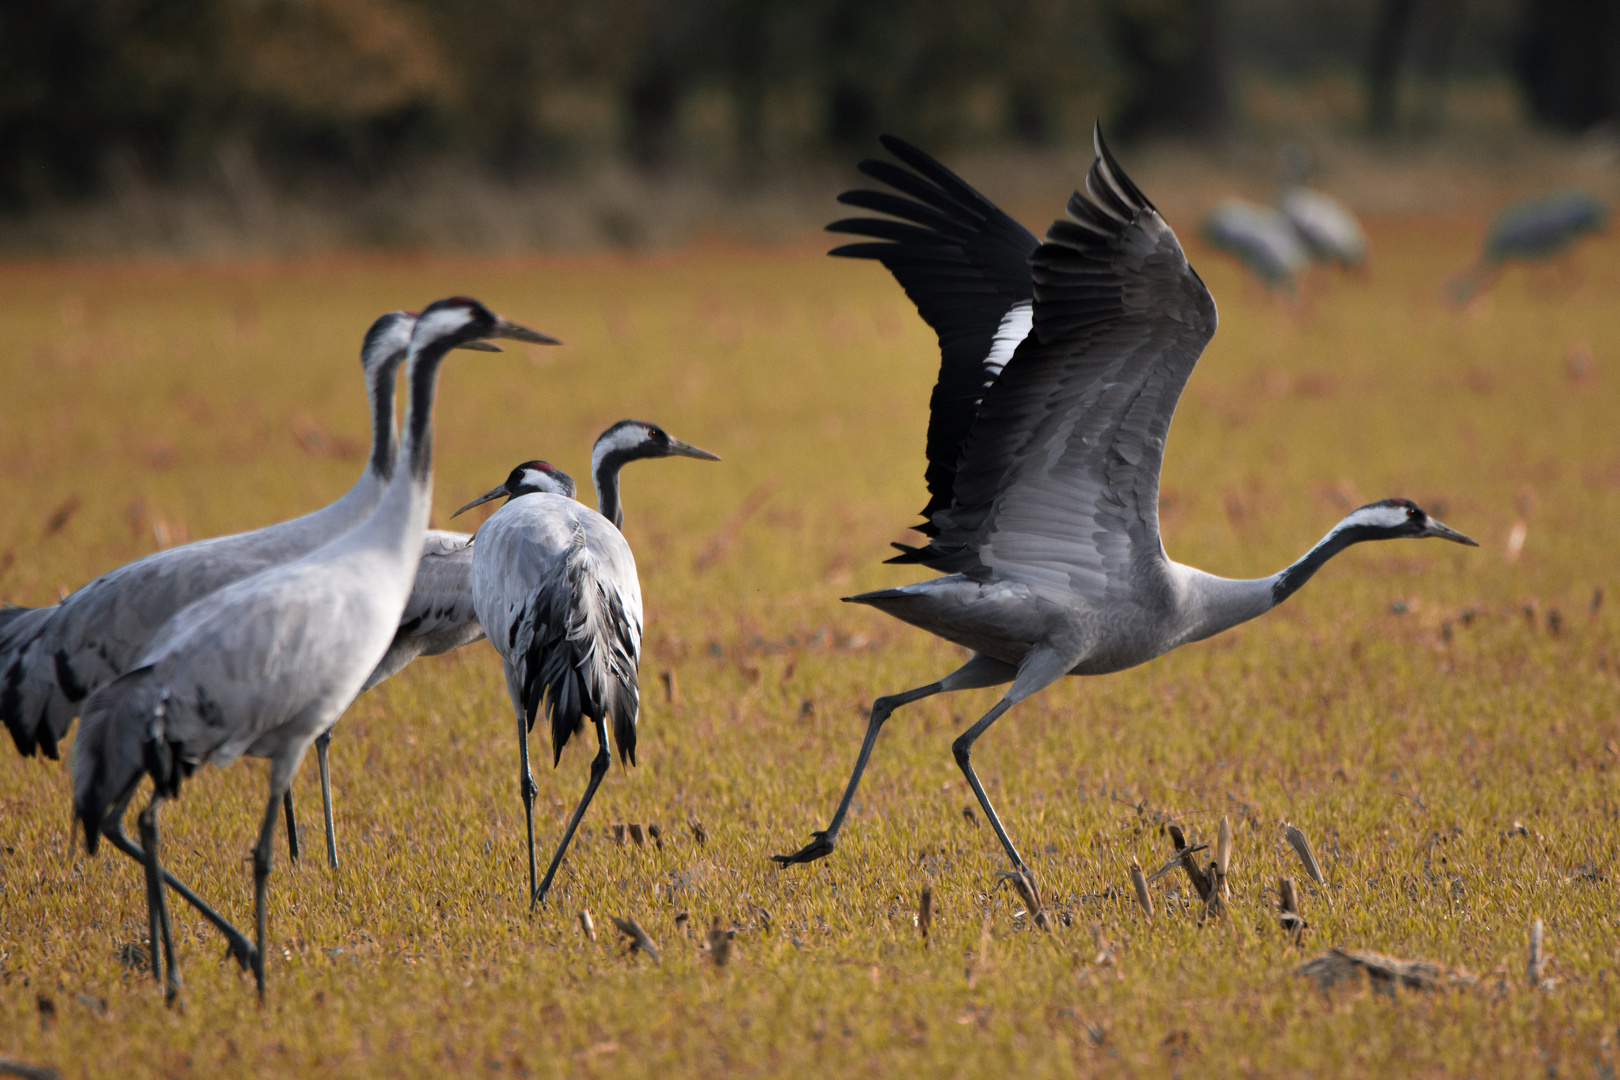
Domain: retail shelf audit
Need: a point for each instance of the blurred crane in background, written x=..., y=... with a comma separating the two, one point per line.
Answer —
x=1328, y=228
x=1261, y=238
x=1534, y=230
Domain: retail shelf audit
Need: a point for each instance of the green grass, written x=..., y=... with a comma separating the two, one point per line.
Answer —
x=1405, y=750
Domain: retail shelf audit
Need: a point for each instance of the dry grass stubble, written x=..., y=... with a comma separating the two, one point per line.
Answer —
x=1451, y=757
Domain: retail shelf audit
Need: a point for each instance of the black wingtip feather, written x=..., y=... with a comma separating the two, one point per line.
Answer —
x=964, y=263
x=1105, y=157
x=908, y=554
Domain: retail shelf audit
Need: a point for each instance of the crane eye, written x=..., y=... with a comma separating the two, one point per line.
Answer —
x=1412, y=512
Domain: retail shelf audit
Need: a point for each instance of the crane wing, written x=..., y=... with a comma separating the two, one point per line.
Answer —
x=965, y=264
x=1059, y=479
x=441, y=597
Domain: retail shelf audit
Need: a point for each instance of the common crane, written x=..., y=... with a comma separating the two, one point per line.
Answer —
x=267, y=663
x=1328, y=228
x=1528, y=231
x=555, y=587
x=51, y=658
x=1262, y=239
x=1062, y=364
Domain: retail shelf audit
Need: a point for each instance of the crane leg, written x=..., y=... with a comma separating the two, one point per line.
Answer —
x=978, y=672
x=963, y=749
x=292, y=827
x=528, y=789
x=240, y=948
x=599, y=768
x=157, y=907
x=1041, y=668
x=263, y=851
x=322, y=741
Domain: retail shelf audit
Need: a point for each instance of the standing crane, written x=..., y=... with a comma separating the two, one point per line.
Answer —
x=268, y=663
x=555, y=587
x=1044, y=454
x=1529, y=231
x=51, y=658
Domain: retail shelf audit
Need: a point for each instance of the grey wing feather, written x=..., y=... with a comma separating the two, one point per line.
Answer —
x=1059, y=480
x=9, y=616
x=440, y=615
x=109, y=756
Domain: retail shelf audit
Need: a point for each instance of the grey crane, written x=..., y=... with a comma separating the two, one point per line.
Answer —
x=1327, y=227
x=265, y=664
x=1261, y=238
x=1043, y=459
x=1533, y=229
x=555, y=587
x=51, y=658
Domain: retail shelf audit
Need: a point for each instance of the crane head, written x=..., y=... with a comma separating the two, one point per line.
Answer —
x=529, y=478
x=385, y=343
x=632, y=440
x=460, y=320
x=1391, y=519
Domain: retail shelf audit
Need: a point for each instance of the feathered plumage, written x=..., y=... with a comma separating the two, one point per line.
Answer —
x=1050, y=538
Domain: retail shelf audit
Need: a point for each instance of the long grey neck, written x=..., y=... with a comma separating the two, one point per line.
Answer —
x=416, y=452
x=1288, y=581
x=605, y=477
x=401, y=519
x=1214, y=604
x=384, y=432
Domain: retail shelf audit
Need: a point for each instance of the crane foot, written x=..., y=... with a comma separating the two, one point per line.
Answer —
x=818, y=848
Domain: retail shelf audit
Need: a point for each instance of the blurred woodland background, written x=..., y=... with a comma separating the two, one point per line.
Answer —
x=284, y=125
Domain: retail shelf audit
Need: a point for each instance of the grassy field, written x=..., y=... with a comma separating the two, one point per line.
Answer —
x=1444, y=723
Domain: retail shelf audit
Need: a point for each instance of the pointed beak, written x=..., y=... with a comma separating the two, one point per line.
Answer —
x=680, y=449
x=493, y=493
x=1445, y=532
x=504, y=328
x=480, y=346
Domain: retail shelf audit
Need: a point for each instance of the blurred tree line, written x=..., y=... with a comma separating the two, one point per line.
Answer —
x=353, y=88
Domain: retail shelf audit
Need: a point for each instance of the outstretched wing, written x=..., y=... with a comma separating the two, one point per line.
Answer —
x=965, y=264
x=1059, y=479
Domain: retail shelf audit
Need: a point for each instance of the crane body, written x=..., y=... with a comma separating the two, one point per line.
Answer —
x=1259, y=237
